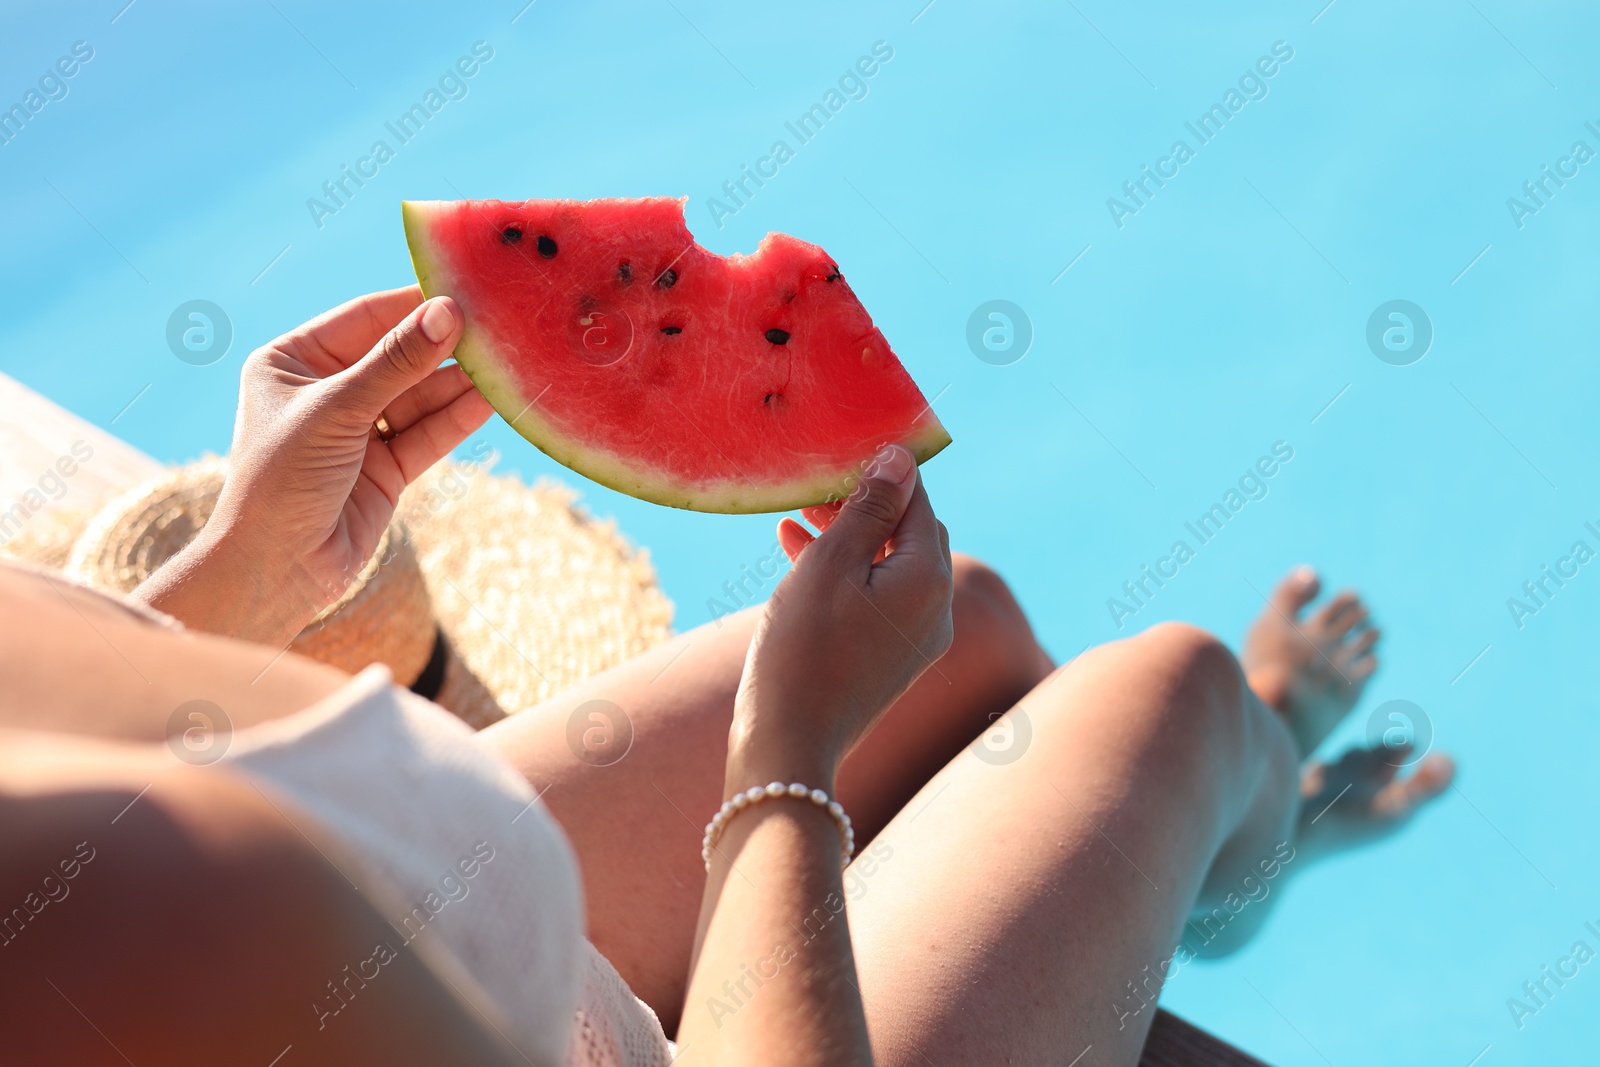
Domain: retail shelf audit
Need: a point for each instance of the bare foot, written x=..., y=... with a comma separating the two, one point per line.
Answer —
x=1310, y=669
x=1354, y=800
x=1360, y=796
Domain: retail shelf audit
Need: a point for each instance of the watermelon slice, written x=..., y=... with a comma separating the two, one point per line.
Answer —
x=609, y=338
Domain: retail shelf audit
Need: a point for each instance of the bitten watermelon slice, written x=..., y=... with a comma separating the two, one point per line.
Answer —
x=610, y=339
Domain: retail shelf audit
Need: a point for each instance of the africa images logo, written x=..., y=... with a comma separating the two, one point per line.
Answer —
x=51, y=87
x=1252, y=85
x=852, y=85
x=451, y=85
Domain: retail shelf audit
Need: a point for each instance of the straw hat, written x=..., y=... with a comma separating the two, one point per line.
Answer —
x=484, y=594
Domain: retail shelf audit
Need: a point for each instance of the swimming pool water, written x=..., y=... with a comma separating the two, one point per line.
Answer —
x=1188, y=313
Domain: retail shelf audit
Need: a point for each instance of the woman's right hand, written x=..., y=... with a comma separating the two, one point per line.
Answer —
x=864, y=611
x=313, y=485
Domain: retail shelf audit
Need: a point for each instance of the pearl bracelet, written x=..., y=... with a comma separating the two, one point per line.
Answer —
x=756, y=794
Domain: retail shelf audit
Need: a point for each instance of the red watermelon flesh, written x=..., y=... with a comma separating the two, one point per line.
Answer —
x=610, y=339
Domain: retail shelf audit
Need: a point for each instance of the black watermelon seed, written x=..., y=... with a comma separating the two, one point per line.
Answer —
x=510, y=235
x=670, y=330
x=547, y=247
x=833, y=274
x=777, y=336
x=668, y=279
x=625, y=272
x=789, y=296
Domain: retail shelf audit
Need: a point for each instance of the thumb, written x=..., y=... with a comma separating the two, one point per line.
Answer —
x=873, y=511
x=404, y=357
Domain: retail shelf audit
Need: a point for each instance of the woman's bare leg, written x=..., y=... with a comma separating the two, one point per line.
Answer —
x=1008, y=913
x=636, y=824
x=1023, y=912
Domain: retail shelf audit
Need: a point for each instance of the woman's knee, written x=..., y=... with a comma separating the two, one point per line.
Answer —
x=1190, y=686
x=992, y=624
x=1190, y=656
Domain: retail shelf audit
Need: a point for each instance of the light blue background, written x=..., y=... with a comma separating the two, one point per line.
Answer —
x=1222, y=318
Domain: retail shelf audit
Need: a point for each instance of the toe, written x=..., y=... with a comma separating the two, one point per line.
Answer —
x=1432, y=777
x=1364, y=642
x=1372, y=769
x=1359, y=653
x=1435, y=775
x=1298, y=588
x=1341, y=614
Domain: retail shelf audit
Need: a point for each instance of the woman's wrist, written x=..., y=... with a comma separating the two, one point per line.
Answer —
x=217, y=585
x=759, y=756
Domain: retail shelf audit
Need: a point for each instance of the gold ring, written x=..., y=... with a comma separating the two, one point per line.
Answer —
x=382, y=428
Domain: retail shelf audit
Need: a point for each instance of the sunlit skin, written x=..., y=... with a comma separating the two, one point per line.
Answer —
x=998, y=909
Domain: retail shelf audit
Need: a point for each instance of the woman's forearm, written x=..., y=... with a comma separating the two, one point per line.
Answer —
x=216, y=586
x=774, y=980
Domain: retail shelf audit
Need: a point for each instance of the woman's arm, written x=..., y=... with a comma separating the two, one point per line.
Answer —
x=79, y=662
x=173, y=915
x=773, y=980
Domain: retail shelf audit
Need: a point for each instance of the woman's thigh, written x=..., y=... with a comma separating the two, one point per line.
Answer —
x=631, y=764
x=1011, y=911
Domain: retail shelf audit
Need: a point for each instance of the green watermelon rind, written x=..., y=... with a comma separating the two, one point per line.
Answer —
x=476, y=357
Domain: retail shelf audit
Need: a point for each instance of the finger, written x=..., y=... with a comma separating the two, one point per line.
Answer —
x=1296, y=590
x=793, y=537
x=434, y=393
x=918, y=532
x=873, y=511
x=944, y=545
x=822, y=515
x=336, y=339
x=437, y=435
x=403, y=358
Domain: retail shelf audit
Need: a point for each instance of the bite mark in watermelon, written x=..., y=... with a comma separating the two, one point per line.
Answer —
x=603, y=333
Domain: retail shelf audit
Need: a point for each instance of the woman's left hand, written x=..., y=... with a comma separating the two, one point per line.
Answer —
x=312, y=484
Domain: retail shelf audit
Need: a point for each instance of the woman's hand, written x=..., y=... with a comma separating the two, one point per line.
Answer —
x=312, y=485
x=865, y=610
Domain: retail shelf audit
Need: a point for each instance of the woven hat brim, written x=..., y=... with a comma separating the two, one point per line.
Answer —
x=535, y=595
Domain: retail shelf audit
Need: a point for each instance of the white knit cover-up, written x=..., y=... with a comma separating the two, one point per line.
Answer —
x=420, y=803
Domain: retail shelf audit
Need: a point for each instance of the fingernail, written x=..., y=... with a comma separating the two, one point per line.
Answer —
x=437, y=321
x=1304, y=574
x=893, y=465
